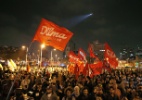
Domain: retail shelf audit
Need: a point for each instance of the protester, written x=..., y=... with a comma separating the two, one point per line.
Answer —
x=117, y=85
x=84, y=95
x=76, y=92
x=49, y=94
x=68, y=94
x=111, y=95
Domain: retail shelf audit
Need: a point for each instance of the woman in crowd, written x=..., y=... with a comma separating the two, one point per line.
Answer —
x=68, y=94
x=84, y=95
x=111, y=95
x=49, y=94
x=76, y=92
x=119, y=84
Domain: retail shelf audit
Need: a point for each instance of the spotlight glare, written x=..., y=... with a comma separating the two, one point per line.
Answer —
x=91, y=14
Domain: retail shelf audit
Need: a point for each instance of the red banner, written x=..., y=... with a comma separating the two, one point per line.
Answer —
x=76, y=71
x=110, y=56
x=87, y=71
x=106, y=66
x=71, y=68
x=73, y=57
x=92, y=55
x=81, y=54
x=97, y=68
x=81, y=67
x=52, y=35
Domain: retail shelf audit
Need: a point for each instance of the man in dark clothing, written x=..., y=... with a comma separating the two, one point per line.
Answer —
x=111, y=95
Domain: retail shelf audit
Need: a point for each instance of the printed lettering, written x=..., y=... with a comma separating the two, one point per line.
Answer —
x=49, y=31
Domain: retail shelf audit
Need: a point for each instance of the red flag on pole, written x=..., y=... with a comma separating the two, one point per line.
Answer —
x=97, y=68
x=81, y=54
x=81, y=67
x=110, y=56
x=76, y=71
x=71, y=68
x=92, y=55
x=73, y=57
x=52, y=35
x=87, y=71
x=106, y=66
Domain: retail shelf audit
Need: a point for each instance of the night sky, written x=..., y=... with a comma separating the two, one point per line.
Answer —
x=118, y=22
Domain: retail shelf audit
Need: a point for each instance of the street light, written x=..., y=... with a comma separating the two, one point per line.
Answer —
x=26, y=59
x=42, y=46
x=52, y=57
x=38, y=58
x=56, y=56
x=52, y=54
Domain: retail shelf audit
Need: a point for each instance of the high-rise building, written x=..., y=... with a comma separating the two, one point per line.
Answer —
x=127, y=53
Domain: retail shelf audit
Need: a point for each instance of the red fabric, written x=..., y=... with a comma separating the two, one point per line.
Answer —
x=52, y=35
x=81, y=67
x=73, y=57
x=86, y=70
x=110, y=56
x=71, y=68
x=76, y=71
x=92, y=55
x=97, y=68
x=81, y=54
x=106, y=66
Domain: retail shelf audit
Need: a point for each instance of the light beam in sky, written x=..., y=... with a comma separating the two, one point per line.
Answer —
x=75, y=20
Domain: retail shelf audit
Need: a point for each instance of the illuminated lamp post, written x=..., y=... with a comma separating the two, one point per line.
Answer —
x=42, y=46
x=52, y=57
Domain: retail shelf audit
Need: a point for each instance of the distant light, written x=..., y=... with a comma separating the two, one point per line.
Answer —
x=62, y=64
x=42, y=46
x=102, y=50
x=91, y=14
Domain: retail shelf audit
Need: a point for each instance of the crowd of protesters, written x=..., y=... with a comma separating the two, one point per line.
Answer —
x=117, y=85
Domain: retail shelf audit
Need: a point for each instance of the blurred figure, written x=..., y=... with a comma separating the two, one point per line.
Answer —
x=68, y=94
x=84, y=95
x=49, y=95
x=18, y=95
x=94, y=93
x=111, y=95
x=76, y=92
x=25, y=84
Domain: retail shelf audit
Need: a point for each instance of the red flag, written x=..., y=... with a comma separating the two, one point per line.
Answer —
x=97, y=68
x=73, y=57
x=81, y=67
x=52, y=35
x=106, y=66
x=110, y=56
x=76, y=71
x=90, y=72
x=81, y=54
x=92, y=55
x=87, y=71
x=71, y=68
